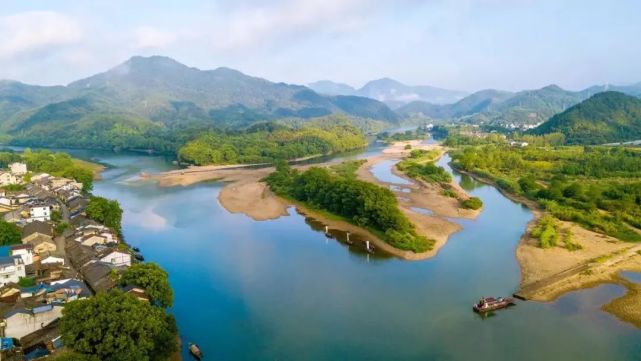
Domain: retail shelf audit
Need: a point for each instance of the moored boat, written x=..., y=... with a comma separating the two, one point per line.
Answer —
x=195, y=351
x=487, y=304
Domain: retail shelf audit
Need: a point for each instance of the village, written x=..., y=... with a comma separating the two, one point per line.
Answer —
x=64, y=256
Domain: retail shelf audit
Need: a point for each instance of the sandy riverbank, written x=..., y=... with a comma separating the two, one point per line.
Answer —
x=245, y=193
x=421, y=195
x=547, y=274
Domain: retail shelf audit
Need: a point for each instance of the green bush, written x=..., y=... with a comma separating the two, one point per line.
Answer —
x=26, y=282
x=473, y=203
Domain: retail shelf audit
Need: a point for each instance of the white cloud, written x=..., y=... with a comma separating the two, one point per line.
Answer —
x=249, y=26
x=150, y=37
x=36, y=31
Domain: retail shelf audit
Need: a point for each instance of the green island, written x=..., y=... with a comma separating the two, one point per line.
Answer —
x=420, y=165
x=362, y=203
x=419, y=133
x=595, y=187
x=269, y=142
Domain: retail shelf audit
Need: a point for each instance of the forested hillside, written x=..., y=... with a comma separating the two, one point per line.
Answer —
x=604, y=118
x=157, y=103
x=497, y=107
x=268, y=142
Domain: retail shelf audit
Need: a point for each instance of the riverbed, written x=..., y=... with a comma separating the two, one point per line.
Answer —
x=280, y=290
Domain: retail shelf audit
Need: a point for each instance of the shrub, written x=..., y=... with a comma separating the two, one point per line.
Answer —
x=473, y=203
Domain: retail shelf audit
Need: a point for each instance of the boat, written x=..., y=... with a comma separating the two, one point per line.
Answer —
x=487, y=304
x=195, y=351
x=136, y=249
x=139, y=257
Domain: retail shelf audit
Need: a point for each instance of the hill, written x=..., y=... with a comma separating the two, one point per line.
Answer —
x=606, y=117
x=391, y=92
x=505, y=108
x=472, y=104
x=331, y=88
x=147, y=95
x=396, y=94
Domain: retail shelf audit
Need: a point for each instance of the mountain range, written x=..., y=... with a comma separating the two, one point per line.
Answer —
x=161, y=91
x=146, y=99
x=391, y=92
x=502, y=107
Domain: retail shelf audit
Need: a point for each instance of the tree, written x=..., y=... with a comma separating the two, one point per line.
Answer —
x=56, y=216
x=26, y=282
x=117, y=326
x=9, y=233
x=105, y=211
x=153, y=279
x=66, y=355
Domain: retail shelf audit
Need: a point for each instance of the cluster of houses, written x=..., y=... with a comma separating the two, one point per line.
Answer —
x=62, y=265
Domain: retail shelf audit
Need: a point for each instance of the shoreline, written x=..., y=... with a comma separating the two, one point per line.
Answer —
x=548, y=274
x=245, y=193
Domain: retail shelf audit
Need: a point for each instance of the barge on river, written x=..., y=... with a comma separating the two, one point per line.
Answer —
x=487, y=304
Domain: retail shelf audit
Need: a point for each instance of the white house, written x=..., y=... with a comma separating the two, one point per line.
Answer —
x=40, y=213
x=24, y=251
x=117, y=258
x=11, y=269
x=18, y=168
x=21, y=322
x=49, y=258
x=7, y=178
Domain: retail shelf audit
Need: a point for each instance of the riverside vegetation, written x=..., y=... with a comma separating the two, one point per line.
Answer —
x=56, y=164
x=420, y=165
x=595, y=187
x=361, y=203
x=268, y=142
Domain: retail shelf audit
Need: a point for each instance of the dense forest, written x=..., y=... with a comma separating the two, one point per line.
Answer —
x=362, y=203
x=596, y=187
x=268, y=142
x=607, y=117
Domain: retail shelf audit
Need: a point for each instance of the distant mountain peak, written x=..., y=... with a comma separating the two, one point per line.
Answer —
x=331, y=88
x=553, y=87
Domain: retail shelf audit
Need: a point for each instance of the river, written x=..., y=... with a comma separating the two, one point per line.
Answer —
x=280, y=290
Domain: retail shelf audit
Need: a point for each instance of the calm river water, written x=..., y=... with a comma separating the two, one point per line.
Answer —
x=279, y=290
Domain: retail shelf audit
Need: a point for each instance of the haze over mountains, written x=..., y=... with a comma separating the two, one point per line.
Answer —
x=501, y=107
x=391, y=92
x=146, y=95
x=160, y=90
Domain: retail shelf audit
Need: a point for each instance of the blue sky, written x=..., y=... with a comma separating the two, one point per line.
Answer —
x=458, y=44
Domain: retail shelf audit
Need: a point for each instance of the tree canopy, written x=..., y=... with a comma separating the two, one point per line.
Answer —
x=596, y=187
x=362, y=203
x=268, y=142
x=153, y=279
x=9, y=233
x=105, y=211
x=117, y=326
